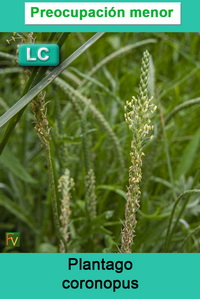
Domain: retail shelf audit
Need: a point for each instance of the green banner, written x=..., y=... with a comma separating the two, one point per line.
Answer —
x=104, y=275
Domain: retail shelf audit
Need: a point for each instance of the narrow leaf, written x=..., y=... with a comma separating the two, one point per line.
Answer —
x=46, y=81
x=188, y=156
x=17, y=211
x=9, y=161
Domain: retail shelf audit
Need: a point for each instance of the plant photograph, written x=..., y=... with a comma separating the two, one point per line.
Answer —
x=100, y=154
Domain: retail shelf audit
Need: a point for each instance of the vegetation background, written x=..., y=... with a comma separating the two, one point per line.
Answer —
x=107, y=74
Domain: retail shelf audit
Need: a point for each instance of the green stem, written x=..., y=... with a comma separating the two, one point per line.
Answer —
x=166, y=146
x=169, y=232
x=189, y=235
x=52, y=180
x=85, y=142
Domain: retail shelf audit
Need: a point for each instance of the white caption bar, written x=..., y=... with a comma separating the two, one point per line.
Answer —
x=102, y=13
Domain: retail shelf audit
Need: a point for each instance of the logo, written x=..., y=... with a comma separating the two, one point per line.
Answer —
x=12, y=239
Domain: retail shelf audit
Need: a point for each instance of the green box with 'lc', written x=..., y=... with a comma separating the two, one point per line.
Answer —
x=39, y=55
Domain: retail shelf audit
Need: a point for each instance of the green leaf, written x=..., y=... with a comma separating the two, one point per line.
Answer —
x=115, y=189
x=11, y=162
x=188, y=156
x=17, y=211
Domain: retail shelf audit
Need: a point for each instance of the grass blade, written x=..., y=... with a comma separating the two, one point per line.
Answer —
x=188, y=156
x=17, y=211
x=12, y=163
x=169, y=231
x=46, y=81
x=115, y=54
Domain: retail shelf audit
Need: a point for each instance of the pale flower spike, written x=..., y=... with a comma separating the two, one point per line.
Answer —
x=137, y=115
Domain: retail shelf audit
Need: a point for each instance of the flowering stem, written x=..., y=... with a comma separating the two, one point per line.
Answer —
x=137, y=115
